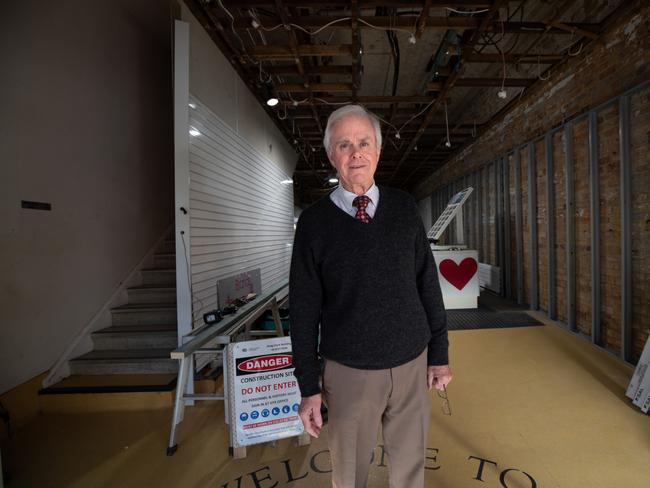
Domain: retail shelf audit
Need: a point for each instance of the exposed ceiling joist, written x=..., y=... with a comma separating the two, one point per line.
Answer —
x=458, y=51
x=303, y=50
x=362, y=4
x=315, y=87
x=449, y=83
x=428, y=23
x=369, y=100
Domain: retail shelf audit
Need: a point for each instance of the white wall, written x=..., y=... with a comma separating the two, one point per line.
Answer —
x=215, y=82
x=86, y=125
x=425, y=212
x=241, y=214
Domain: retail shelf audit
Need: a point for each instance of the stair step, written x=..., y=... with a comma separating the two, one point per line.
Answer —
x=159, y=277
x=141, y=328
x=167, y=246
x=114, y=383
x=121, y=337
x=112, y=361
x=144, y=313
x=152, y=294
x=164, y=260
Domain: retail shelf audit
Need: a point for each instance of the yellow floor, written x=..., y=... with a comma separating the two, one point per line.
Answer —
x=533, y=403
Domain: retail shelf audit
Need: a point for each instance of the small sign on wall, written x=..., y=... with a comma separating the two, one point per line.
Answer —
x=237, y=286
x=263, y=394
x=458, y=276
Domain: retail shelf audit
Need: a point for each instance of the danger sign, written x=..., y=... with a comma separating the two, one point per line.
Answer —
x=263, y=394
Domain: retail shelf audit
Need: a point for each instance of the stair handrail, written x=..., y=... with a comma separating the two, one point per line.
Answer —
x=230, y=325
x=60, y=369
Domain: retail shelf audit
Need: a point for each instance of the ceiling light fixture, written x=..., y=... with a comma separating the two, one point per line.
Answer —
x=272, y=102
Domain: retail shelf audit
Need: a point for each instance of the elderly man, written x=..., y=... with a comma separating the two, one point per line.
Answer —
x=363, y=276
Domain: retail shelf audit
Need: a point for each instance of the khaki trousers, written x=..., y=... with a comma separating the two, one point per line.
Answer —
x=358, y=401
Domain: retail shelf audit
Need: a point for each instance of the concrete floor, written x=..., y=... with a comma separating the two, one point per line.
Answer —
x=533, y=406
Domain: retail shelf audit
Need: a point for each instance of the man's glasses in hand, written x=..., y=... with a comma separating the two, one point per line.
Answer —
x=446, y=408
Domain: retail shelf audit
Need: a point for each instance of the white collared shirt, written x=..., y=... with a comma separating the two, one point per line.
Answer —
x=343, y=199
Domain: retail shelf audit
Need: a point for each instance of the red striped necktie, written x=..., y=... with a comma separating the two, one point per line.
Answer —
x=361, y=202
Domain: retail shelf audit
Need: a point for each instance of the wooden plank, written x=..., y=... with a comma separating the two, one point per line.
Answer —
x=319, y=87
x=304, y=50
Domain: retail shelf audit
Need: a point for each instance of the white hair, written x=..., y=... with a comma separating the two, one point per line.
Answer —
x=347, y=111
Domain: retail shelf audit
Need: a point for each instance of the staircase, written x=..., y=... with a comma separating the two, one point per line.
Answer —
x=143, y=331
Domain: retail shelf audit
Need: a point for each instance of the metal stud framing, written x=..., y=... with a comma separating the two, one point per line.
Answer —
x=570, y=228
x=519, y=229
x=594, y=195
x=507, y=262
x=478, y=220
x=550, y=225
x=481, y=222
x=626, y=229
x=498, y=214
x=532, y=224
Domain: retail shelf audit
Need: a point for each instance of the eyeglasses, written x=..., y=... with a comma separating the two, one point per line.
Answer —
x=446, y=407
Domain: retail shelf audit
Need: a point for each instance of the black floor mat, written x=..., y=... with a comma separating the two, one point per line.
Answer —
x=485, y=319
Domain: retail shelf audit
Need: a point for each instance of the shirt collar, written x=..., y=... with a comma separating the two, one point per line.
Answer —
x=348, y=196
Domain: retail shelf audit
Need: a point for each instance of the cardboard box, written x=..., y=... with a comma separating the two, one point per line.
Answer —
x=640, y=374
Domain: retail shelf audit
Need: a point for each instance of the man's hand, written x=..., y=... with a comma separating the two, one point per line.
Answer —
x=438, y=376
x=309, y=413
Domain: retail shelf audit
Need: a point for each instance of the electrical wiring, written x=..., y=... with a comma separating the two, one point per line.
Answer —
x=539, y=74
x=466, y=13
x=397, y=131
x=268, y=77
x=284, y=105
x=503, y=57
x=575, y=53
x=335, y=21
x=448, y=142
x=232, y=25
x=329, y=103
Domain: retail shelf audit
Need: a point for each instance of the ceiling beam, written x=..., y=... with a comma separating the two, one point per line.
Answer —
x=369, y=100
x=302, y=50
x=478, y=82
x=425, y=23
x=311, y=70
x=573, y=30
x=472, y=57
x=315, y=87
x=362, y=3
x=356, y=49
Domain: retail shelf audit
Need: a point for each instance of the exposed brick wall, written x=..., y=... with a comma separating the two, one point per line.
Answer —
x=620, y=60
x=640, y=168
x=559, y=179
x=513, y=224
x=582, y=216
x=525, y=223
x=610, y=228
x=542, y=241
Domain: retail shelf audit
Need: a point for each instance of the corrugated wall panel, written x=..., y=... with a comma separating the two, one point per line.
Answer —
x=241, y=215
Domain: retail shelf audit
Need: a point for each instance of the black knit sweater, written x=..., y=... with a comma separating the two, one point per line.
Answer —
x=373, y=288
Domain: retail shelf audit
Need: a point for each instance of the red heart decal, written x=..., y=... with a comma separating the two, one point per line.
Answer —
x=458, y=274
